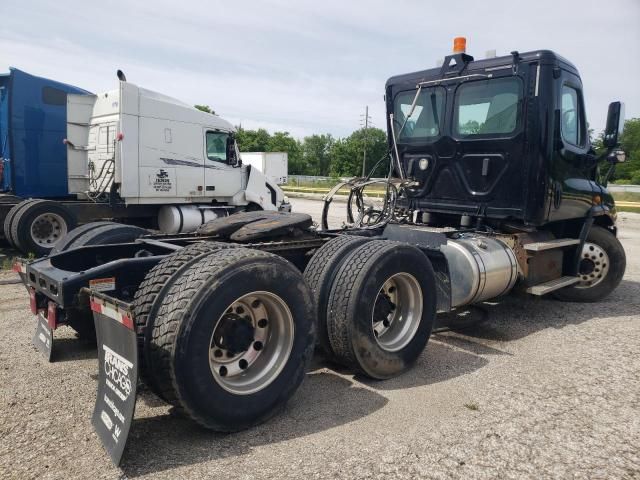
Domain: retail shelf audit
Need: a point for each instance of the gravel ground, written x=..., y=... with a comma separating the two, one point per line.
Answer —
x=543, y=389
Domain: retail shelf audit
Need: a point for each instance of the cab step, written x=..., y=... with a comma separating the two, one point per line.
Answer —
x=552, y=285
x=556, y=243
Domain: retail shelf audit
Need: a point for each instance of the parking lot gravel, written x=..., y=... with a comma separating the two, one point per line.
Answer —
x=541, y=389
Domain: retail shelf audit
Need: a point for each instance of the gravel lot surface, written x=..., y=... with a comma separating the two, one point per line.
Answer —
x=542, y=389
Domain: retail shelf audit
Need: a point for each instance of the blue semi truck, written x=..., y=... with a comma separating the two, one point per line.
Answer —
x=33, y=122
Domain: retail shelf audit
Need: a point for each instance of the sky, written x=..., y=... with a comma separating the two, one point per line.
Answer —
x=311, y=66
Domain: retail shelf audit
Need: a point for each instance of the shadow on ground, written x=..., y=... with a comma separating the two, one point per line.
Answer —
x=324, y=401
x=454, y=353
x=71, y=349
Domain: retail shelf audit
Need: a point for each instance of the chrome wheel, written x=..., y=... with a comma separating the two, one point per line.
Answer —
x=47, y=229
x=397, y=312
x=251, y=343
x=594, y=265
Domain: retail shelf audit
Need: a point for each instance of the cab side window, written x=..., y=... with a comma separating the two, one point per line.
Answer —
x=572, y=116
x=217, y=146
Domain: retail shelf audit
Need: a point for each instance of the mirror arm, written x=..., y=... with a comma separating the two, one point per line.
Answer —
x=607, y=175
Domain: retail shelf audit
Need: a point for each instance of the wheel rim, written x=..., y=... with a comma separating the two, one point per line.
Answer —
x=594, y=265
x=251, y=343
x=47, y=229
x=397, y=312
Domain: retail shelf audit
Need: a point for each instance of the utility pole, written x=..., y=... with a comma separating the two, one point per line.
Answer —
x=365, y=121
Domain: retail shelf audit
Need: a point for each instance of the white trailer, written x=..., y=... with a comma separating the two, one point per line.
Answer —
x=274, y=165
x=148, y=159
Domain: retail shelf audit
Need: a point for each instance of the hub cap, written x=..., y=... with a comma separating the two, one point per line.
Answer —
x=397, y=312
x=594, y=265
x=251, y=343
x=47, y=229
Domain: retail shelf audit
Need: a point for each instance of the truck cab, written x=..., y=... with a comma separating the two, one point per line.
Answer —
x=33, y=120
x=499, y=140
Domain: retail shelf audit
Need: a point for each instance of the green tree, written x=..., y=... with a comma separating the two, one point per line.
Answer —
x=629, y=172
x=316, y=151
x=205, y=108
x=347, y=154
x=252, y=140
x=470, y=128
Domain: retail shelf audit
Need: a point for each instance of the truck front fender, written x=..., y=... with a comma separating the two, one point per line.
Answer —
x=261, y=191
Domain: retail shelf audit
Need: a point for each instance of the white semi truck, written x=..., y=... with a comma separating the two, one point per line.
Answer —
x=147, y=160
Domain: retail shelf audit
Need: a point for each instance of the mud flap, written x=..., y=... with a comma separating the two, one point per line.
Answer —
x=43, y=337
x=117, y=375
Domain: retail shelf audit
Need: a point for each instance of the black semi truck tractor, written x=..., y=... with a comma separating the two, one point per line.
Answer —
x=493, y=187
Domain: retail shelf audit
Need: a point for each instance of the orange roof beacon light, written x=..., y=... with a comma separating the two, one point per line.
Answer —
x=459, y=45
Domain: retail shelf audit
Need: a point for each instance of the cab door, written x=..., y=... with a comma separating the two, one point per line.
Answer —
x=571, y=182
x=222, y=177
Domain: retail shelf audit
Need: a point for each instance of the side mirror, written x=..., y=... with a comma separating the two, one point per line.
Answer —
x=615, y=124
x=231, y=151
x=617, y=156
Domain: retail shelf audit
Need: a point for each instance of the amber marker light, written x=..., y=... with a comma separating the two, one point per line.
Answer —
x=459, y=45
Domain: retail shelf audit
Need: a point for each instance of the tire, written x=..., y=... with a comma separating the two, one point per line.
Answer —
x=107, y=234
x=8, y=220
x=319, y=275
x=153, y=289
x=181, y=357
x=601, y=270
x=364, y=327
x=70, y=237
x=40, y=225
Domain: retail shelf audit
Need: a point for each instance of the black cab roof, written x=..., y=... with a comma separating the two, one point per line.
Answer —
x=547, y=57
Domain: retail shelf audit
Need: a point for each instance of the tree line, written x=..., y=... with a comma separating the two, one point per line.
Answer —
x=320, y=154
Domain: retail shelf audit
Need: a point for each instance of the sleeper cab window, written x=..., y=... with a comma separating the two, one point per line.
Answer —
x=487, y=107
x=217, y=146
x=54, y=96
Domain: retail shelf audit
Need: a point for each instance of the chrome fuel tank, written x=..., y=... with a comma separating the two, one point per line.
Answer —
x=480, y=268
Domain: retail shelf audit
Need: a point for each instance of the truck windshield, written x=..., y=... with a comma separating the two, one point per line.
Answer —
x=217, y=146
x=425, y=122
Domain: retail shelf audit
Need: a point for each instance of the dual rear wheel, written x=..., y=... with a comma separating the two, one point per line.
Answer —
x=375, y=301
x=36, y=226
x=227, y=333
